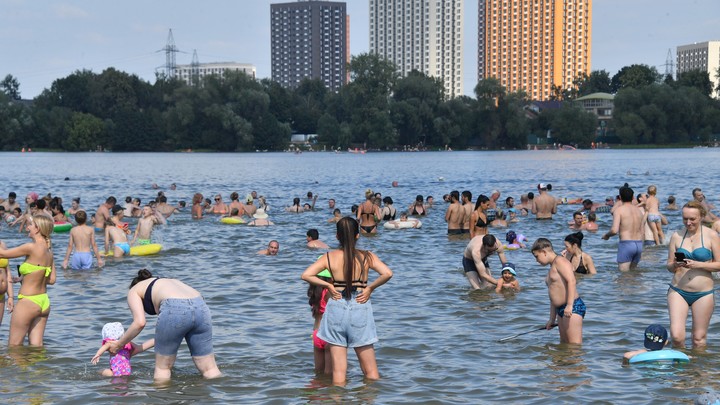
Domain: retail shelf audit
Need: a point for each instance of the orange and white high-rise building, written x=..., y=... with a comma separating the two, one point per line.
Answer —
x=534, y=44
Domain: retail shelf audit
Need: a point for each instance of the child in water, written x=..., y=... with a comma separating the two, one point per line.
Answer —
x=120, y=362
x=318, y=300
x=656, y=338
x=514, y=240
x=508, y=280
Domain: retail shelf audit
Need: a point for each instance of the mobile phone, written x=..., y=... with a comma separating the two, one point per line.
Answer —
x=679, y=257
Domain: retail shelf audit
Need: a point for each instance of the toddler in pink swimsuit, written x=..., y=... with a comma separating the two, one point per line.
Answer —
x=120, y=362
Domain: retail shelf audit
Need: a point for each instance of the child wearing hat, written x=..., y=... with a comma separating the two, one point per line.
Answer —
x=655, y=339
x=507, y=279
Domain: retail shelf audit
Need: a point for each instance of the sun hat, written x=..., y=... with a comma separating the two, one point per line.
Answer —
x=112, y=330
x=509, y=267
x=260, y=214
x=655, y=337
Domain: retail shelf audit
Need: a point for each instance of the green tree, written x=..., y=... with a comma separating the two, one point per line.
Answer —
x=84, y=132
x=11, y=87
x=635, y=76
x=597, y=82
x=699, y=79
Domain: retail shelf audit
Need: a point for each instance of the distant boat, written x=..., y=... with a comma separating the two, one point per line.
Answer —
x=567, y=147
x=356, y=150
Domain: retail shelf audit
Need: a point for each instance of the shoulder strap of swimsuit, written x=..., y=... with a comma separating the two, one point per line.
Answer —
x=702, y=241
x=683, y=239
x=327, y=256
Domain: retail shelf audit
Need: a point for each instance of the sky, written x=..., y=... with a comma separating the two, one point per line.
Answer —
x=43, y=40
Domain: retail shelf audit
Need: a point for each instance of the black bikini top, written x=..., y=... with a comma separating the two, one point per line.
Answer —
x=480, y=223
x=148, y=305
x=359, y=283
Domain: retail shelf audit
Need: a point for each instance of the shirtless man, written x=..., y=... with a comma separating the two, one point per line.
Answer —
x=10, y=204
x=544, y=205
x=272, y=249
x=331, y=203
x=249, y=207
x=654, y=219
x=475, y=264
x=700, y=197
x=494, y=197
x=577, y=222
x=82, y=240
x=313, y=240
x=145, y=226
x=236, y=204
x=102, y=215
x=628, y=223
x=454, y=215
x=468, y=208
x=163, y=208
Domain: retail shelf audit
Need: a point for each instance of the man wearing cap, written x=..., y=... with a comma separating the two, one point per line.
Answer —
x=544, y=205
x=10, y=203
x=629, y=224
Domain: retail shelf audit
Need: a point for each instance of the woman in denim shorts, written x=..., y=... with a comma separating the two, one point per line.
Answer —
x=348, y=319
x=182, y=314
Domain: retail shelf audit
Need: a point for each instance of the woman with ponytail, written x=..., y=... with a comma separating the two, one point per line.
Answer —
x=182, y=314
x=348, y=319
x=30, y=313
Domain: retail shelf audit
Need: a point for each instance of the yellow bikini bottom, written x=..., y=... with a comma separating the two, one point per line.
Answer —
x=42, y=300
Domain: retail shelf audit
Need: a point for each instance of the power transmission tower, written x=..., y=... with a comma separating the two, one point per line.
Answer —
x=669, y=65
x=170, y=51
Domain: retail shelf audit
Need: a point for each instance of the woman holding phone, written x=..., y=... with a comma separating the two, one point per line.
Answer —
x=692, y=257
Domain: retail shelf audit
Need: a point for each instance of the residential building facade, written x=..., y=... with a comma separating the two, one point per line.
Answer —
x=422, y=35
x=309, y=39
x=533, y=45
x=703, y=56
x=194, y=72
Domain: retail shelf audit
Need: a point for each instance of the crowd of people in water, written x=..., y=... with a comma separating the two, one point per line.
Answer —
x=339, y=284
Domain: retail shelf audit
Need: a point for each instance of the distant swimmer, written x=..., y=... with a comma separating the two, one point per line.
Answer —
x=313, y=240
x=295, y=207
x=628, y=223
x=260, y=218
x=197, y=209
x=219, y=207
x=272, y=249
x=337, y=216
x=102, y=215
x=236, y=204
x=544, y=206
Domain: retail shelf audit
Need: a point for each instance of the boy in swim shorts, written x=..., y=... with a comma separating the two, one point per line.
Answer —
x=80, y=244
x=566, y=306
x=145, y=226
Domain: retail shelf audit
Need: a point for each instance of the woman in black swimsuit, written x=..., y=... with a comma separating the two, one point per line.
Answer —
x=388, y=211
x=417, y=207
x=368, y=214
x=582, y=262
x=478, y=219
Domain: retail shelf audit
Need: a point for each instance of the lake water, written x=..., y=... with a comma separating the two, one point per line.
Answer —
x=438, y=340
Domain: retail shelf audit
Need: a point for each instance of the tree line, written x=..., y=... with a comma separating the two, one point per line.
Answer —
x=378, y=109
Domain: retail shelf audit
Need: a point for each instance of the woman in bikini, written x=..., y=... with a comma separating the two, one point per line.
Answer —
x=295, y=207
x=581, y=262
x=31, y=312
x=478, y=218
x=348, y=320
x=692, y=285
x=368, y=214
x=417, y=207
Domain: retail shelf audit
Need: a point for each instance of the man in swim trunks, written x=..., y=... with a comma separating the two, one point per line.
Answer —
x=475, y=260
x=454, y=215
x=629, y=224
x=544, y=205
x=102, y=215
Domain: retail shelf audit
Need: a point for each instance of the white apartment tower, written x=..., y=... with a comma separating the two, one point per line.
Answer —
x=423, y=35
x=703, y=56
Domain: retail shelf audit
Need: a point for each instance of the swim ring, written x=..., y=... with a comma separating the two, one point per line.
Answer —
x=409, y=224
x=660, y=355
x=4, y=263
x=231, y=221
x=512, y=246
x=61, y=227
x=142, y=250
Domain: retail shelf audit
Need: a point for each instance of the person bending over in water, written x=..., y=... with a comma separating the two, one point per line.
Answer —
x=566, y=306
x=475, y=260
x=350, y=293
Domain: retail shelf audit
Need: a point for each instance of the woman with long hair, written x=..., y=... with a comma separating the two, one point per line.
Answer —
x=478, y=219
x=348, y=320
x=582, y=262
x=31, y=312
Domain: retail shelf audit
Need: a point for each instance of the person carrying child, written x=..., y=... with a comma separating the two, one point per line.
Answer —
x=656, y=337
x=119, y=362
x=507, y=280
x=566, y=306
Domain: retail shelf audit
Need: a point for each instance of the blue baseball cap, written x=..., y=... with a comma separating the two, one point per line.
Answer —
x=655, y=337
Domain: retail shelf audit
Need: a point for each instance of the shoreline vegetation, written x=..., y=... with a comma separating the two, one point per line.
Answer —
x=376, y=110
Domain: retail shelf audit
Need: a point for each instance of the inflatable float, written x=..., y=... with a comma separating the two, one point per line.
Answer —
x=62, y=227
x=660, y=355
x=397, y=224
x=142, y=250
x=231, y=221
x=4, y=263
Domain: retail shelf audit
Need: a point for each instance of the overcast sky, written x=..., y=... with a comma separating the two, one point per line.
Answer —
x=43, y=40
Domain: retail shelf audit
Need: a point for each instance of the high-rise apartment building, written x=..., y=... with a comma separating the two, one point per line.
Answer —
x=533, y=45
x=703, y=56
x=422, y=35
x=309, y=39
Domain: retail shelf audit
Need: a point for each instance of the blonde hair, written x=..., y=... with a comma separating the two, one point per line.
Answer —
x=652, y=190
x=696, y=205
x=45, y=227
x=369, y=194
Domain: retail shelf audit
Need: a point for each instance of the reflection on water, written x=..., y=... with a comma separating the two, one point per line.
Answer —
x=438, y=341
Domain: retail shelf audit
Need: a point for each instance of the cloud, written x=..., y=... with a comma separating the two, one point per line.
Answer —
x=67, y=11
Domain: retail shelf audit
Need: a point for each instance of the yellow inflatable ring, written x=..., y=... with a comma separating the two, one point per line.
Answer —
x=231, y=221
x=142, y=250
